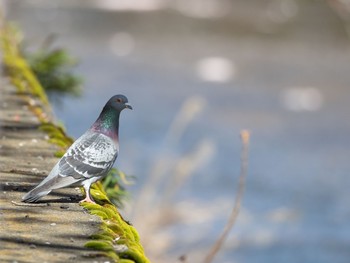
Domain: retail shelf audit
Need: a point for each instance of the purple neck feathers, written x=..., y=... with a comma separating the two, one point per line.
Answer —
x=107, y=123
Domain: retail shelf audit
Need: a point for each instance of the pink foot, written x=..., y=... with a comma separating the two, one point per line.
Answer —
x=88, y=200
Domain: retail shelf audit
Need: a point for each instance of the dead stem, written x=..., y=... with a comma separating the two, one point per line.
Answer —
x=237, y=204
x=26, y=204
x=150, y=192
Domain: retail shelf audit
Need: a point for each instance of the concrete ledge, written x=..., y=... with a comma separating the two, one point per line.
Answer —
x=54, y=230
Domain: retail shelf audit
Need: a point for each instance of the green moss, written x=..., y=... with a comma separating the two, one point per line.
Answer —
x=54, y=70
x=116, y=235
x=57, y=136
x=112, y=184
x=17, y=67
x=100, y=245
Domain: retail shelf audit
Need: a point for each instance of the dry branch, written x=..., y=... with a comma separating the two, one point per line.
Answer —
x=238, y=199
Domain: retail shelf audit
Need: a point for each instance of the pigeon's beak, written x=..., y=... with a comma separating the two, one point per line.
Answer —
x=128, y=106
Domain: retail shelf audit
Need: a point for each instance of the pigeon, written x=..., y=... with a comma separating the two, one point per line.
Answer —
x=89, y=158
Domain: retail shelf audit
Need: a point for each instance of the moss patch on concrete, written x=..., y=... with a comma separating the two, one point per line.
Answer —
x=117, y=238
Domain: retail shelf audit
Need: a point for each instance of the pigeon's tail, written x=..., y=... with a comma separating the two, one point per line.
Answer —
x=35, y=194
x=46, y=186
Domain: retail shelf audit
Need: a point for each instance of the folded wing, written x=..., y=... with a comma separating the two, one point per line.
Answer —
x=92, y=155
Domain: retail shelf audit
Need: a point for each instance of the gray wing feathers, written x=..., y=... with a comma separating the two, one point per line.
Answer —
x=92, y=155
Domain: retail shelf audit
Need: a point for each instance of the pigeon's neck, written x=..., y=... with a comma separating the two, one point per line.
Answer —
x=107, y=123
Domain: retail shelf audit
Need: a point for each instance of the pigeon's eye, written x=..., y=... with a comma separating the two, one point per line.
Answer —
x=119, y=100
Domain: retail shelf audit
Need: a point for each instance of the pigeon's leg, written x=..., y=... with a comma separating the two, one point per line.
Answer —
x=88, y=200
x=87, y=193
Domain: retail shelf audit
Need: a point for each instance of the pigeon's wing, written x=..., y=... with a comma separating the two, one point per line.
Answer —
x=92, y=155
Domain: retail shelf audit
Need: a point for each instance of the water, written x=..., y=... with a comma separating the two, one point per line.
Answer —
x=281, y=74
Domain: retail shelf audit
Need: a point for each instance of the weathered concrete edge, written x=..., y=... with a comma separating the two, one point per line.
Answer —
x=54, y=230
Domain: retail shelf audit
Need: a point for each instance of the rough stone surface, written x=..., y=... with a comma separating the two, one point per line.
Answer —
x=55, y=229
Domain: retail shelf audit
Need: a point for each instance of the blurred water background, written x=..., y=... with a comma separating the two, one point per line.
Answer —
x=196, y=73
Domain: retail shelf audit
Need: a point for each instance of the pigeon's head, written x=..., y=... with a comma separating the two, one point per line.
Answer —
x=119, y=103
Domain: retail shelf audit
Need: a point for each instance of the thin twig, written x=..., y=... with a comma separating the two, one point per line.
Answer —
x=26, y=204
x=187, y=113
x=238, y=199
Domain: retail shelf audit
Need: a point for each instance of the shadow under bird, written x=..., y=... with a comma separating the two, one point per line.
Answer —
x=90, y=157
